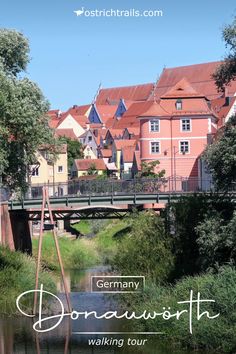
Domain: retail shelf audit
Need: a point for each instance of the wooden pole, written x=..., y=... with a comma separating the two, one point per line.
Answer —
x=59, y=254
x=39, y=250
x=46, y=202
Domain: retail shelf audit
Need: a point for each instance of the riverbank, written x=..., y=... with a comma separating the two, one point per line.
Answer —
x=17, y=274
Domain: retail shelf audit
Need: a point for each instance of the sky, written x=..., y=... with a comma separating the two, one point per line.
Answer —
x=72, y=55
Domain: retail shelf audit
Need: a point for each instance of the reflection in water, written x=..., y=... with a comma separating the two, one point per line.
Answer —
x=17, y=336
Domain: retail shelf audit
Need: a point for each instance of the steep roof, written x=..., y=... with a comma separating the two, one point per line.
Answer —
x=68, y=133
x=137, y=160
x=182, y=89
x=129, y=118
x=132, y=93
x=85, y=164
x=128, y=153
x=106, y=112
x=199, y=75
x=106, y=152
x=81, y=120
x=79, y=110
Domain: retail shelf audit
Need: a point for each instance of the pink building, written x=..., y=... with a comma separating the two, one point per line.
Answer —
x=175, y=130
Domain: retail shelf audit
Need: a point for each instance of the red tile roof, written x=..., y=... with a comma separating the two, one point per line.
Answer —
x=116, y=133
x=68, y=133
x=222, y=108
x=167, y=108
x=106, y=152
x=182, y=89
x=81, y=120
x=199, y=75
x=128, y=153
x=106, y=112
x=79, y=110
x=129, y=118
x=85, y=164
x=120, y=144
x=132, y=93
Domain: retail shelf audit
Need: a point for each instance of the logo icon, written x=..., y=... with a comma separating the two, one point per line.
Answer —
x=79, y=12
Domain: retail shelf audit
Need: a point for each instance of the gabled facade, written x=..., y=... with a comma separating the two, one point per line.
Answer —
x=89, y=153
x=88, y=139
x=175, y=130
x=68, y=121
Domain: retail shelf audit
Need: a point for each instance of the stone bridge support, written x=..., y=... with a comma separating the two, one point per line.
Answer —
x=6, y=234
x=15, y=232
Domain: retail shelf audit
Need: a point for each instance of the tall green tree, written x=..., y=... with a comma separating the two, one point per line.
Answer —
x=23, y=112
x=74, y=150
x=226, y=72
x=221, y=156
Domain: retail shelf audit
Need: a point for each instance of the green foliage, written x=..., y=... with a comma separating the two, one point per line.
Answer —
x=92, y=170
x=220, y=156
x=183, y=219
x=76, y=254
x=226, y=72
x=217, y=334
x=148, y=169
x=74, y=150
x=106, y=241
x=146, y=249
x=23, y=120
x=83, y=227
x=216, y=241
x=14, y=51
x=17, y=274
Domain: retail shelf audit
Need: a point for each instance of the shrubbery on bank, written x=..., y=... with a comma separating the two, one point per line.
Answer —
x=17, y=274
x=217, y=334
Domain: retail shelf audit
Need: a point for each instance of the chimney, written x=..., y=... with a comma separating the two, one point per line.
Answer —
x=87, y=126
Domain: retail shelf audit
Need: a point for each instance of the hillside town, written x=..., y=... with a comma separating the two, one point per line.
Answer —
x=170, y=121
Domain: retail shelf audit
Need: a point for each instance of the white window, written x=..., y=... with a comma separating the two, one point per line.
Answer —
x=59, y=169
x=155, y=147
x=184, y=147
x=90, y=138
x=185, y=125
x=35, y=172
x=155, y=125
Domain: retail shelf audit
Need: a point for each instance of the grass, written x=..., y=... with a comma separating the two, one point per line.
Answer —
x=17, y=275
x=76, y=254
x=84, y=227
x=107, y=239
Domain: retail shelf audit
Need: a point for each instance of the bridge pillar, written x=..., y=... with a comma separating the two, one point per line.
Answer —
x=6, y=234
x=21, y=231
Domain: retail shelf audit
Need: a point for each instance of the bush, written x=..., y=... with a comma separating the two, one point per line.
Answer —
x=146, y=249
x=217, y=334
x=17, y=274
x=182, y=220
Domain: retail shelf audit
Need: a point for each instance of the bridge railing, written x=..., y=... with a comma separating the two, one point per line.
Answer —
x=115, y=187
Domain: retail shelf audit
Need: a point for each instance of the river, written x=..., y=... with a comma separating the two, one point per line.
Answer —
x=18, y=337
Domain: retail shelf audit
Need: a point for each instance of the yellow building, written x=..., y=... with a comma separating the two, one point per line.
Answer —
x=84, y=167
x=48, y=171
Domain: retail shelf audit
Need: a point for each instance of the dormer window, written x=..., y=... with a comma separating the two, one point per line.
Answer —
x=178, y=105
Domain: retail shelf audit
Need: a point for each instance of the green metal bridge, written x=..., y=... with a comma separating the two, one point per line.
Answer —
x=91, y=199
